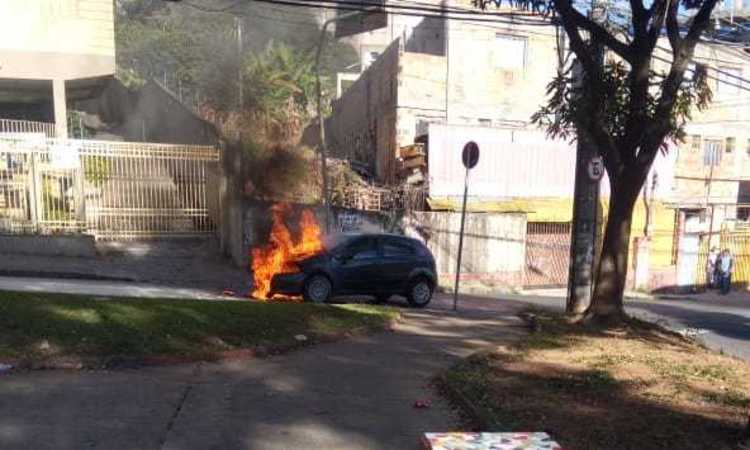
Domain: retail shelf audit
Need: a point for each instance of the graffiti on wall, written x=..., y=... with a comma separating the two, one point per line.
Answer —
x=349, y=222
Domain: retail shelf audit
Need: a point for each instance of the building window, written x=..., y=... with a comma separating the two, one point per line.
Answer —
x=729, y=145
x=485, y=122
x=711, y=152
x=695, y=142
x=729, y=82
x=747, y=150
x=509, y=52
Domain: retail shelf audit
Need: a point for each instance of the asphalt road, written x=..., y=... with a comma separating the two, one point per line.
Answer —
x=720, y=322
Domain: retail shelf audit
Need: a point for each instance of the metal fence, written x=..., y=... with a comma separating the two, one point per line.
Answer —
x=547, y=254
x=112, y=190
x=374, y=198
x=27, y=127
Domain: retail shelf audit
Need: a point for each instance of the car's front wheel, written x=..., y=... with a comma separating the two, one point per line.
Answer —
x=317, y=289
x=420, y=292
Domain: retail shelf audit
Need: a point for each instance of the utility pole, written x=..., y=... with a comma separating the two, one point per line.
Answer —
x=321, y=120
x=238, y=23
x=585, y=202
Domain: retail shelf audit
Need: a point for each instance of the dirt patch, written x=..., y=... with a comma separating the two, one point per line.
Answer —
x=637, y=387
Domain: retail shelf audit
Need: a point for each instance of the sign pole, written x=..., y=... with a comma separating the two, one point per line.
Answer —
x=461, y=240
x=470, y=158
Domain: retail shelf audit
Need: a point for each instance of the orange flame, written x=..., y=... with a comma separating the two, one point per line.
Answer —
x=281, y=252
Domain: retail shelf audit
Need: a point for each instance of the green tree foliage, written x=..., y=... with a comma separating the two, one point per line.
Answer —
x=277, y=78
x=570, y=103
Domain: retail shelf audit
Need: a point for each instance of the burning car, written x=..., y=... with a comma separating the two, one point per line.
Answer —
x=381, y=265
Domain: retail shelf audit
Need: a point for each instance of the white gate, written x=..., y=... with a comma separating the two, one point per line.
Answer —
x=112, y=190
x=687, y=260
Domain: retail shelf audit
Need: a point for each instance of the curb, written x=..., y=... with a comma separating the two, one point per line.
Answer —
x=13, y=273
x=473, y=412
x=240, y=354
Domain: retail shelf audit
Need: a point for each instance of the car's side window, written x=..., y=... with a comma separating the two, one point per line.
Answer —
x=363, y=249
x=395, y=247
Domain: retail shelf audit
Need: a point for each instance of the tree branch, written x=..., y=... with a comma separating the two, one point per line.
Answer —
x=640, y=17
x=700, y=21
x=673, y=27
x=682, y=56
x=579, y=47
x=571, y=17
x=659, y=9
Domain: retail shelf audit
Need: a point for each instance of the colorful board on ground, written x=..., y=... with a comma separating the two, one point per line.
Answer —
x=489, y=441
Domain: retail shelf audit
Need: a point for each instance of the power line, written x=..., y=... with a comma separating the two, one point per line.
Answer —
x=459, y=9
x=516, y=20
x=213, y=10
x=500, y=25
x=424, y=7
x=744, y=88
x=722, y=72
x=369, y=6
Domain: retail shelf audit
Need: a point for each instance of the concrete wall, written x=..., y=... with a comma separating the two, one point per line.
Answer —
x=362, y=126
x=494, y=245
x=514, y=164
x=149, y=114
x=73, y=245
x=256, y=221
x=485, y=83
x=418, y=35
x=56, y=39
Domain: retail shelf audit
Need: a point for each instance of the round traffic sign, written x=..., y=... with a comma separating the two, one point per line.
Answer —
x=470, y=155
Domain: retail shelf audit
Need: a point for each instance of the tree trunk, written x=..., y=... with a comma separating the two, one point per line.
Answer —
x=609, y=288
x=744, y=443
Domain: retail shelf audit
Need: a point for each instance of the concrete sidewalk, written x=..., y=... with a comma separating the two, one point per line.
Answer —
x=105, y=288
x=195, y=264
x=354, y=394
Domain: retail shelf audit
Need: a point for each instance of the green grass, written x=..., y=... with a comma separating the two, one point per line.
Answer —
x=38, y=326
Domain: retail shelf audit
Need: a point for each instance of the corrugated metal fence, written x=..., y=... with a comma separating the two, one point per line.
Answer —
x=112, y=190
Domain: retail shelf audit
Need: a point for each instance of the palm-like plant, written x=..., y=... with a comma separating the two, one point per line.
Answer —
x=278, y=79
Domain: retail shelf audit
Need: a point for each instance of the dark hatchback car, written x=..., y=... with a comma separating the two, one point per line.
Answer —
x=381, y=265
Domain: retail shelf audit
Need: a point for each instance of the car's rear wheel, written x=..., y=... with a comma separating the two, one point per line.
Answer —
x=317, y=289
x=420, y=292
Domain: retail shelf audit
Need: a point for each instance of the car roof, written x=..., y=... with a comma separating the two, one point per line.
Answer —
x=392, y=235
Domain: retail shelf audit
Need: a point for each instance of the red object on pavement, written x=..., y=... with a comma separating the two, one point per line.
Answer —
x=421, y=404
